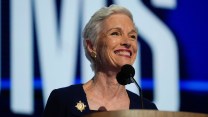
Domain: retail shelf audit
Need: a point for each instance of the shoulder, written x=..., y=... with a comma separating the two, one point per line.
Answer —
x=69, y=89
x=63, y=100
x=135, y=101
x=68, y=93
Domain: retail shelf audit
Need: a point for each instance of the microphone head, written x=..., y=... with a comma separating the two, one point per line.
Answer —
x=124, y=76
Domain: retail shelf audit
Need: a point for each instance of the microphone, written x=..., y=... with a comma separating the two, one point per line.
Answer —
x=126, y=76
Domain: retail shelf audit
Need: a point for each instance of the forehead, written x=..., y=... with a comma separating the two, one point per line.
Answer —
x=118, y=20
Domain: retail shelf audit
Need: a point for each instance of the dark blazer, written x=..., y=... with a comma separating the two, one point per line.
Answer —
x=71, y=101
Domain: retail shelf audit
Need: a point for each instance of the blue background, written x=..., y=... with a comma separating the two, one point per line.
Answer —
x=189, y=24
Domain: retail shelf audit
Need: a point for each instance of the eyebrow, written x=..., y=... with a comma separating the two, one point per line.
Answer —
x=118, y=28
x=133, y=31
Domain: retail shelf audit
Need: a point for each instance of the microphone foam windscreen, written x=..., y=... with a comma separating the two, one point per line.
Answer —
x=124, y=76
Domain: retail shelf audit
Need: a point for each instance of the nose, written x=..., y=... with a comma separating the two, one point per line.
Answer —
x=126, y=43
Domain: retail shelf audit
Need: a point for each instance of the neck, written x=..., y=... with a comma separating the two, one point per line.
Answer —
x=105, y=85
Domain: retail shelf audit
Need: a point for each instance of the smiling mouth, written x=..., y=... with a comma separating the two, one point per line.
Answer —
x=126, y=53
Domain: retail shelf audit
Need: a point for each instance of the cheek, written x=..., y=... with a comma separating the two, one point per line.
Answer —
x=112, y=43
x=106, y=47
x=102, y=50
x=135, y=50
x=106, y=53
x=135, y=47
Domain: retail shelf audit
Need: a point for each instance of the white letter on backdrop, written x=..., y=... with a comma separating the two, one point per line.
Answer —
x=57, y=48
x=21, y=57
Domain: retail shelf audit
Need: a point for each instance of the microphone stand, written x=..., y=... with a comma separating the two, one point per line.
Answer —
x=140, y=91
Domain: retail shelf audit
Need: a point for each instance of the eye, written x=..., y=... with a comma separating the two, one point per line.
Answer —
x=115, y=33
x=133, y=36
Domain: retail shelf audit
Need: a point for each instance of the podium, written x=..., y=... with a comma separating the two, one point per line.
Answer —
x=145, y=113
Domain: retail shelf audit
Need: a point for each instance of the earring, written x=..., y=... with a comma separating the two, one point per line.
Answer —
x=93, y=54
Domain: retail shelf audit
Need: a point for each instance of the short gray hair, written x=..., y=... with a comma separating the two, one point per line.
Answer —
x=93, y=27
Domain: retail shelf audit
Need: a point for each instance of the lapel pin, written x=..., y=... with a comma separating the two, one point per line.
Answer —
x=80, y=106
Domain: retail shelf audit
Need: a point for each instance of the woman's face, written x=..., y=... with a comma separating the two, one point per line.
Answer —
x=117, y=44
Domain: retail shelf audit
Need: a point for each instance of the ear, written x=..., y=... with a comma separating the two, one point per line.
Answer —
x=89, y=46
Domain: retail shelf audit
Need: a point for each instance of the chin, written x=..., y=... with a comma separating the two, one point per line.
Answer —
x=122, y=64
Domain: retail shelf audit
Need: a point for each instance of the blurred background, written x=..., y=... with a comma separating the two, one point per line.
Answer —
x=41, y=49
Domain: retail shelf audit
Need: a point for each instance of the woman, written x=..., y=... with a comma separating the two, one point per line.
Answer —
x=110, y=41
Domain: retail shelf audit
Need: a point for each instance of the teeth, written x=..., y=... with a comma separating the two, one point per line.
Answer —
x=125, y=53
